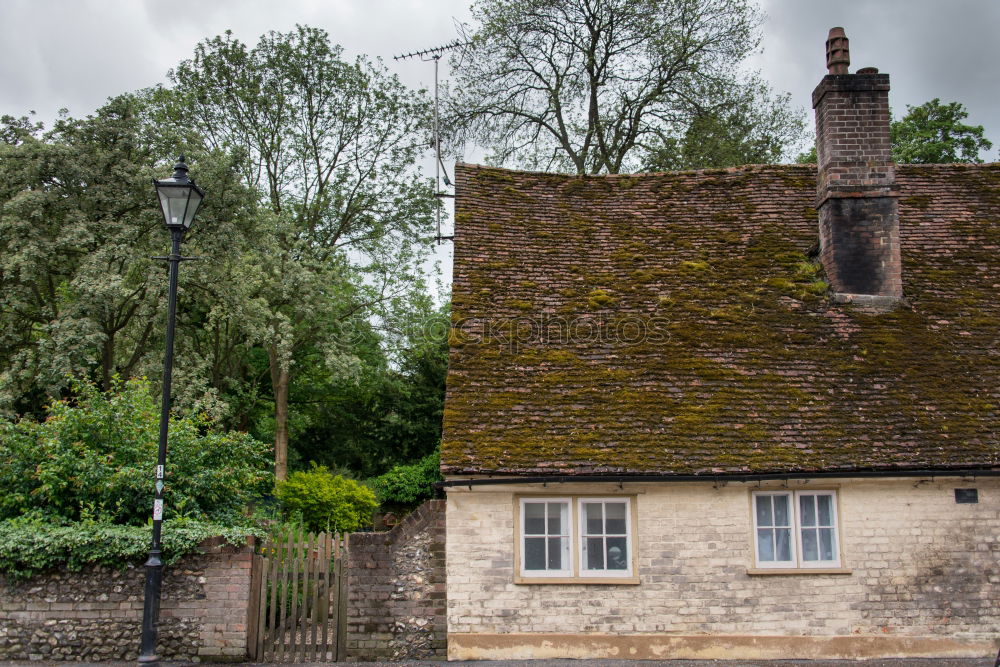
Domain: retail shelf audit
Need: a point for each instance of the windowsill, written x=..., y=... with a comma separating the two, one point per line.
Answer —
x=765, y=571
x=625, y=581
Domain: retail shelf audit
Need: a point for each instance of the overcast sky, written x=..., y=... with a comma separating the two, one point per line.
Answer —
x=74, y=54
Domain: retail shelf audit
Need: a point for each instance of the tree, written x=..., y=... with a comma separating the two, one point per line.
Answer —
x=389, y=411
x=807, y=157
x=749, y=126
x=80, y=294
x=933, y=133
x=593, y=86
x=331, y=146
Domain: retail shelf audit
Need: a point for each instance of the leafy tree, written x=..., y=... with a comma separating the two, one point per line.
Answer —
x=592, y=86
x=749, y=125
x=389, y=411
x=933, y=133
x=80, y=294
x=331, y=146
x=807, y=157
x=92, y=457
x=326, y=502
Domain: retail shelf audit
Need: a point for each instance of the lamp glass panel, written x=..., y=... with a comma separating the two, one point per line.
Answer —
x=179, y=205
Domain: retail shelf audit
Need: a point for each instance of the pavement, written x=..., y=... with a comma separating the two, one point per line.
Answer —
x=893, y=662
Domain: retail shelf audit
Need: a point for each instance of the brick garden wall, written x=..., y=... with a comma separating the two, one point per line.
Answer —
x=95, y=614
x=396, y=605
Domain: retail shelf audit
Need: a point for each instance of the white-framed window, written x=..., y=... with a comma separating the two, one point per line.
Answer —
x=545, y=537
x=576, y=539
x=605, y=538
x=796, y=529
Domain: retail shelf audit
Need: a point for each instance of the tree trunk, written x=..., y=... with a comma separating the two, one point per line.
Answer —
x=279, y=384
x=107, y=361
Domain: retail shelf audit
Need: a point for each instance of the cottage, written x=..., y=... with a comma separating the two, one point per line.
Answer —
x=740, y=413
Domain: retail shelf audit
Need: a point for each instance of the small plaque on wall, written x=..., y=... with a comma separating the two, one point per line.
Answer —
x=966, y=495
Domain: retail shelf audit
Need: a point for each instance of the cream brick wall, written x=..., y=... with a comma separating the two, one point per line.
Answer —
x=921, y=566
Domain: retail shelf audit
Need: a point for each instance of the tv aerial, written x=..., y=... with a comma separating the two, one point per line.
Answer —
x=434, y=55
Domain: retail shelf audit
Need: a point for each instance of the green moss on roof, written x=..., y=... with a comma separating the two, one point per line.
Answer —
x=743, y=363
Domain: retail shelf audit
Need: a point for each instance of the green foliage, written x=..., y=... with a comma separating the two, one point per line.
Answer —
x=736, y=126
x=80, y=295
x=326, y=502
x=330, y=146
x=388, y=411
x=93, y=458
x=807, y=157
x=30, y=546
x=408, y=485
x=315, y=226
x=933, y=133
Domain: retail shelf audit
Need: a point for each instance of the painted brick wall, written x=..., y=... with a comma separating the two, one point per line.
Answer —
x=924, y=571
x=396, y=600
x=95, y=614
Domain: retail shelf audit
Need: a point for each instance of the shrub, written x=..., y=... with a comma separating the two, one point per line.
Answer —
x=326, y=502
x=408, y=485
x=94, y=457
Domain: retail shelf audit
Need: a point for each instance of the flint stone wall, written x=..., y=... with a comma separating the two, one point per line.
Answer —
x=96, y=614
x=397, y=604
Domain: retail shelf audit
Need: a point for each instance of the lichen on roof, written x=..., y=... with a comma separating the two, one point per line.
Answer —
x=676, y=323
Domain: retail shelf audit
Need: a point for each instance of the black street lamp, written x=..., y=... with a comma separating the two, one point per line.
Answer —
x=179, y=200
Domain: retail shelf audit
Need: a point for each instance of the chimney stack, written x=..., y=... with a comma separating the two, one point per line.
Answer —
x=856, y=193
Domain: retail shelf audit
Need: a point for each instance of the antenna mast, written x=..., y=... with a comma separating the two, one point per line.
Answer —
x=434, y=54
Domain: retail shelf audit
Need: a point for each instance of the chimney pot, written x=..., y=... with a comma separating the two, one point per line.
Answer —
x=838, y=52
x=868, y=70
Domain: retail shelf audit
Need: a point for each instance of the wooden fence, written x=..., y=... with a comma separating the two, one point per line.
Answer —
x=298, y=599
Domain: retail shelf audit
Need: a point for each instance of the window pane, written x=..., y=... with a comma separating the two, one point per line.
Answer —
x=826, y=543
x=556, y=557
x=595, y=553
x=764, y=510
x=593, y=517
x=534, y=553
x=616, y=518
x=781, y=512
x=807, y=510
x=617, y=553
x=810, y=549
x=783, y=544
x=534, y=518
x=825, y=505
x=557, y=516
x=765, y=544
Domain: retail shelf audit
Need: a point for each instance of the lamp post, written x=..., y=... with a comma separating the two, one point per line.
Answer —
x=179, y=201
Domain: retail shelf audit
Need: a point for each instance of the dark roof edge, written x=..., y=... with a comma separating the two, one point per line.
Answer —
x=707, y=171
x=760, y=477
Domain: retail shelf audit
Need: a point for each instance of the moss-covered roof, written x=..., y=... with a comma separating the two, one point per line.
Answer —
x=675, y=323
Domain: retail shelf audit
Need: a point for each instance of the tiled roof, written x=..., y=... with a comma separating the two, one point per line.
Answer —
x=675, y=324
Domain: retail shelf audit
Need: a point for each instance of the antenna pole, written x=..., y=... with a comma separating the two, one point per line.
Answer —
x=437, y=145
x=435, y=55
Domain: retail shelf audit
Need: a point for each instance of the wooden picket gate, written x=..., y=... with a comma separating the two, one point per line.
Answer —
x=298, y=599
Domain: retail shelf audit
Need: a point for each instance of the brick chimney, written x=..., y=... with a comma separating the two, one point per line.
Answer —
x=856, y=191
